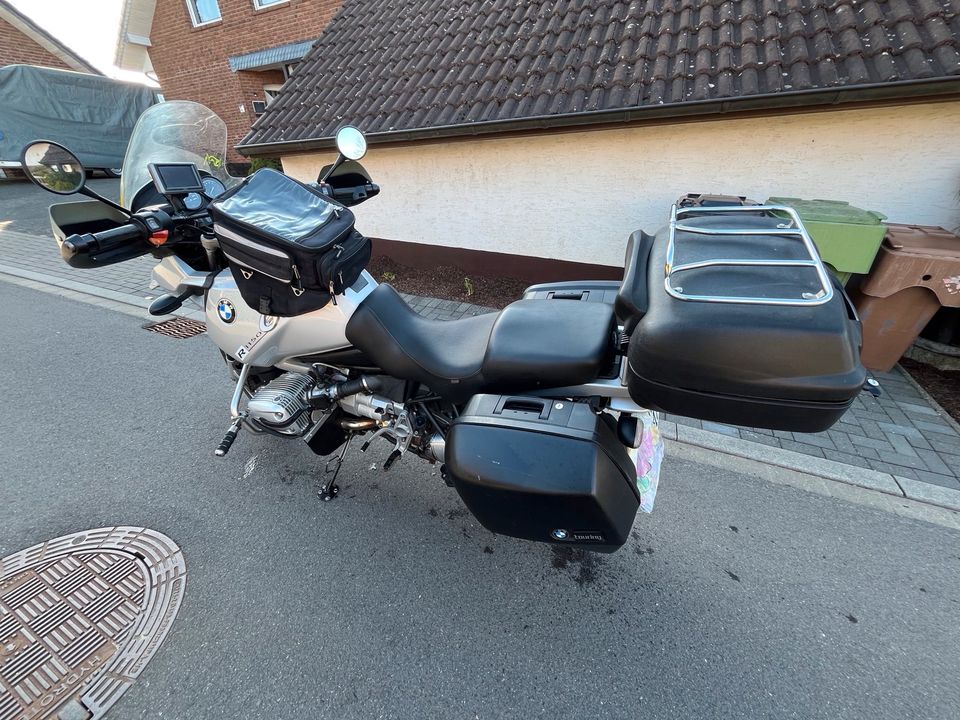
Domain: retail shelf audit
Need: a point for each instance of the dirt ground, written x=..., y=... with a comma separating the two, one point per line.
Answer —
x=943, y=385
x=448, y=283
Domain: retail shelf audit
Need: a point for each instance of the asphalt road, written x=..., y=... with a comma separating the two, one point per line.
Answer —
x=737, y=598
x=25, y=205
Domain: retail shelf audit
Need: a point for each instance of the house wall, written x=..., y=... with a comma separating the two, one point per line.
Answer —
x=17, y=48
x=133, y=51
x=577, y=196
x=191, y=63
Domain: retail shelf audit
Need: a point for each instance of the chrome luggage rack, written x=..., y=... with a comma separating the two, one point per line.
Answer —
x=790, y=228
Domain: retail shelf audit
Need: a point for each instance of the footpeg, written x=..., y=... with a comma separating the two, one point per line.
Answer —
x=399, y=431
x=228, y=439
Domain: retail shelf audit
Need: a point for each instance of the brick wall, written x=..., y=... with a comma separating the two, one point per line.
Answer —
x=251, y=88
x=191, y=63
x=17, y=48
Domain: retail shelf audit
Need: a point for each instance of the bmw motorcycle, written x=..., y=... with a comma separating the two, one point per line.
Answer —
x=542, y=415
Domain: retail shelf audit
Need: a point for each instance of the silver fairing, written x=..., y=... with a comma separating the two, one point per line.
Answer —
x=261, y=340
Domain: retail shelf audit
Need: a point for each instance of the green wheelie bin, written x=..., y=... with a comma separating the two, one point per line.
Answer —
x=847, y=237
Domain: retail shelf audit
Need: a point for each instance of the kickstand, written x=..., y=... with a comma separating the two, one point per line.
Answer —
x=330, y=489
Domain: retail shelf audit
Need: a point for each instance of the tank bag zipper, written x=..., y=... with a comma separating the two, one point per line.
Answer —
x=333, y=294
x=296, y=285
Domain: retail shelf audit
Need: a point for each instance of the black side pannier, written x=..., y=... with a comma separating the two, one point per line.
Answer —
x=291, y=249
x=734, y=319
x=539, y=469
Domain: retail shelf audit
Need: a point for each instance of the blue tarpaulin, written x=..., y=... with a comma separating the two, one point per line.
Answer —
x=91, y=115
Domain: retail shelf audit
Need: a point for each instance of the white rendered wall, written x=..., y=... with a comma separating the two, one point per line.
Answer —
x=577, y=196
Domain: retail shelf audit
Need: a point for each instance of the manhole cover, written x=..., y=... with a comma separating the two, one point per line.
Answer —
x=80, y=617
x=177, y=328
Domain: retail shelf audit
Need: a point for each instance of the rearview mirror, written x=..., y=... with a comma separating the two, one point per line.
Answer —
x=351, y=143
x=53, y=167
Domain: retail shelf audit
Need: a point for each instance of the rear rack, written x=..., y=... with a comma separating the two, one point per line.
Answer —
x=791, y=227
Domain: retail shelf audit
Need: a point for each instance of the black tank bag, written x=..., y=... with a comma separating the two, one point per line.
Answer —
x=290, y=248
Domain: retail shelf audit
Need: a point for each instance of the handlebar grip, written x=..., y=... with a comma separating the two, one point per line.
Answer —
x=76, y=245
x=119, y=235
x=95, y=242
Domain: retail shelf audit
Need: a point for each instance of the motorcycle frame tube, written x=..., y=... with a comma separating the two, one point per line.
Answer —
x=613, y=389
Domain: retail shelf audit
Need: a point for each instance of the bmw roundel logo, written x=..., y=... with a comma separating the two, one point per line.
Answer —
x=226, y=311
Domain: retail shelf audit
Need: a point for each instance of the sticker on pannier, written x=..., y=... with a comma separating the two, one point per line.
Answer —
x=648, y=458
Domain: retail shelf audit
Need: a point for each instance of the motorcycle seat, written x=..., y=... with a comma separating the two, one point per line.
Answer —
x=529, y=344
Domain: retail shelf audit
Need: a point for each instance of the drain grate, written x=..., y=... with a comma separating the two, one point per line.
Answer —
x=80, y=616
x=178, y=327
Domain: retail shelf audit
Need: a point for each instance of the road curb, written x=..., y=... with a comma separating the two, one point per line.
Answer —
x=804, y=482
x=886, y=483
x=790, y=460
x=54, y=284
x=929, y=493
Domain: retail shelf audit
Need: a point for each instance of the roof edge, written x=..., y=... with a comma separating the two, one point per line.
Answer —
x=814, y=98
x=51, y=44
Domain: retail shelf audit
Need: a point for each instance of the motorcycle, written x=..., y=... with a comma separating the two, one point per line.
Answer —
x=542, y=416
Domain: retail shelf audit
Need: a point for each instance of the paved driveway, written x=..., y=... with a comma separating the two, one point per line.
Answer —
x=736, y=598
x=24, y=205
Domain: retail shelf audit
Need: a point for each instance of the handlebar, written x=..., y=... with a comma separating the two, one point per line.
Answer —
x=100, y=241
x=355, y=194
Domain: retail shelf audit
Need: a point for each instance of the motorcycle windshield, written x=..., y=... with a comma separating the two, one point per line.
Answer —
x=172, y=132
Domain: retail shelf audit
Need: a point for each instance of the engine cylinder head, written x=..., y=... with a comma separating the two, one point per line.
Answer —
x=283, y=401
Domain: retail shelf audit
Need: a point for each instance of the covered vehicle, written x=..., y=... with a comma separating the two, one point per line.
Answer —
x=92, y=115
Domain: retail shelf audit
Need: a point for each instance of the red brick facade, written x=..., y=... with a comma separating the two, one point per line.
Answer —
x=191, y=62
x=17, y=48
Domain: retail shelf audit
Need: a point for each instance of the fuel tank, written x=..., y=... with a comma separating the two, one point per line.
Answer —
x=264, y=340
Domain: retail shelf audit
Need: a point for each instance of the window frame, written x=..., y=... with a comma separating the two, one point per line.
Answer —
x=271, y=88
x=195, y=14
x=267, y=4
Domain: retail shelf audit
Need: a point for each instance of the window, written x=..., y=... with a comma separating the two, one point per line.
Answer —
x=270, y=92
x=261, y=4
x=203, y=11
